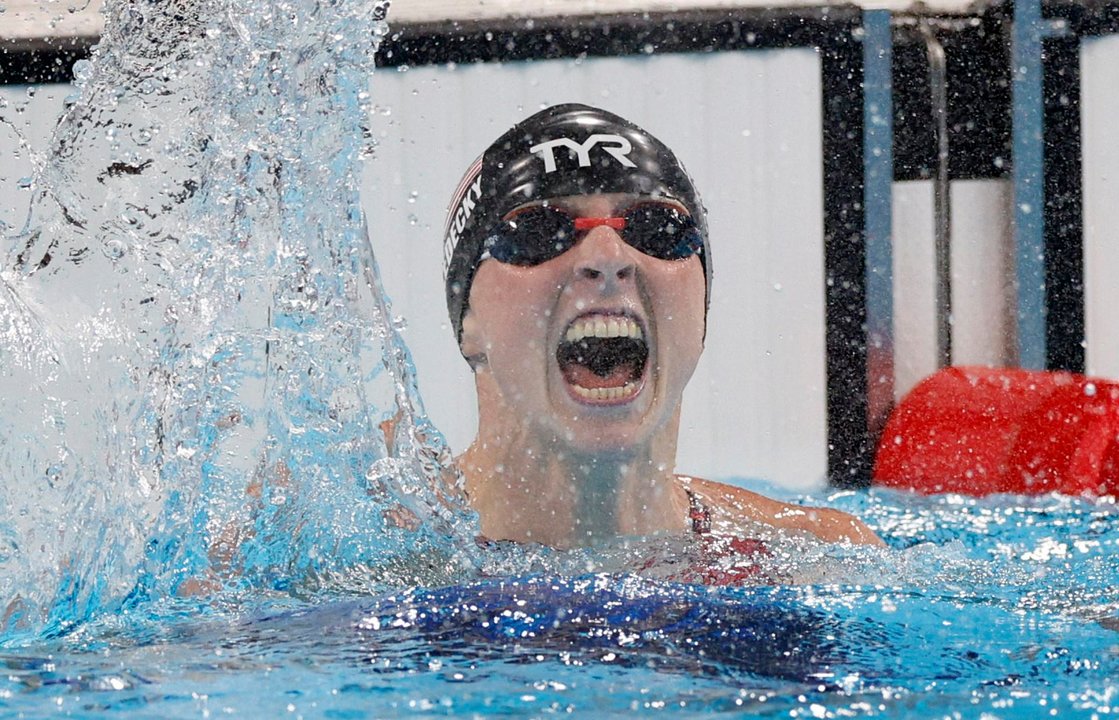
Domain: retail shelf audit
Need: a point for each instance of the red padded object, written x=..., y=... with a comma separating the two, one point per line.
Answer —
x=978, y=431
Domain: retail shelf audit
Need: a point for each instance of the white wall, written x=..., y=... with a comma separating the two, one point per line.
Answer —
x=1099, y=98
x=982, y=275
x=747, y=125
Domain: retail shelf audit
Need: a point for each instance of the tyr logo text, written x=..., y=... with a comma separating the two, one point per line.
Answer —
x=617, y=146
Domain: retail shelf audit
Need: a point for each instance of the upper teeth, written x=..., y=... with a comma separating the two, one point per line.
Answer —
x=603, y=326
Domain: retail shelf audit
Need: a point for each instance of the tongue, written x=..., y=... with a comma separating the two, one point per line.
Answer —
x=577, y=374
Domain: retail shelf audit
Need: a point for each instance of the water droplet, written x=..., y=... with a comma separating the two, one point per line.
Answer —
x=114, y=249
x=413, y=195
x=132, y=18
x=9, y=546
x=1090, y=389
x=82, y=71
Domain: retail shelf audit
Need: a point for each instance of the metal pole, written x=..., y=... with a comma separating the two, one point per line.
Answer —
x=878, y=164
x=1029, y=193
x=942, y=199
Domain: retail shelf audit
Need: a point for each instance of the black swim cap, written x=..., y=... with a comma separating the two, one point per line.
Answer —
x=562, y=150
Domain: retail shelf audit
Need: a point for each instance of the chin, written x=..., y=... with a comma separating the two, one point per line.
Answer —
x=606, y=436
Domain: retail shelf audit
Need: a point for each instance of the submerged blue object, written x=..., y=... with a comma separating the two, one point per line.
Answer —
x=561, y=151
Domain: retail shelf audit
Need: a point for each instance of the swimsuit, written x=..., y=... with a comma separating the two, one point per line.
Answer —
x=698, y=514
x=747, y=553
x=723, y=559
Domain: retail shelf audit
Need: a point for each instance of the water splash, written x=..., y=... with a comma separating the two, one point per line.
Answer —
x=201, y=387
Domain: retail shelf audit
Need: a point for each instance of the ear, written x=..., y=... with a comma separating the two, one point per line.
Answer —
x=472, y=343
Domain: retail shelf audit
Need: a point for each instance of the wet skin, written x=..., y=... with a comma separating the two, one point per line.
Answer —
x=517, y=318
x=553, y=466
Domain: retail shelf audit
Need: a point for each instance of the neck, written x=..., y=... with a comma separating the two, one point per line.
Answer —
x=531, y=487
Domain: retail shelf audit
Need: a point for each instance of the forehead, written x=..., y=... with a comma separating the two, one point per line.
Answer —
x=601, y=204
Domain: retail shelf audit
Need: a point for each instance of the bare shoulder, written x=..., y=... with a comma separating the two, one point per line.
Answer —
x=732, y=503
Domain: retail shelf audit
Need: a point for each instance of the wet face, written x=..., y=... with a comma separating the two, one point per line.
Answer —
x=590, y=349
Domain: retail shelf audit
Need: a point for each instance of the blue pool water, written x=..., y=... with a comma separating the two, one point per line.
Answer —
x=1003, y=607
x=219, y=494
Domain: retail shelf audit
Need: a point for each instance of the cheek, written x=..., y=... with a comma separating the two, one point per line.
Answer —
x=682, y=315
x=511, y=306
x=683, y=294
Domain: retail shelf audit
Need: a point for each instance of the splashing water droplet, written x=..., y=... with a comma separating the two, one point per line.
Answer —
x=198, y=279
x=82, y=71
x=114, y=249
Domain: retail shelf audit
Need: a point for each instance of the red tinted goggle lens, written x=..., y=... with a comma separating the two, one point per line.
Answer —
x=540, y=233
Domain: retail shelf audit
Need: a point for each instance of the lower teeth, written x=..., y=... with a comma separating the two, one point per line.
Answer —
x=606, y=393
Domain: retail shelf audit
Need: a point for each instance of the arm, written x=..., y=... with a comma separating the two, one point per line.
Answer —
x=729, y=503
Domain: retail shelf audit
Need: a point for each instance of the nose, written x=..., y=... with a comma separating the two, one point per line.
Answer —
x=602, y=255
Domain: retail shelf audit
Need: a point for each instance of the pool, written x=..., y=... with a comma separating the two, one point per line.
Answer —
x=206, y=513
x=1003, y=607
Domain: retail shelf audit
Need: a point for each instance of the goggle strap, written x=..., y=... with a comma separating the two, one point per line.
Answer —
x=583, y=224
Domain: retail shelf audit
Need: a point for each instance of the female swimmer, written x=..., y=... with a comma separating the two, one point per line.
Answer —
x=578, y=275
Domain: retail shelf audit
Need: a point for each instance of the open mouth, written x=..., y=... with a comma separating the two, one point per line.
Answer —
x=603, y=357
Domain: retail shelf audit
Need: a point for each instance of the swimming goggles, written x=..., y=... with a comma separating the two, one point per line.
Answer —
x=539, y=233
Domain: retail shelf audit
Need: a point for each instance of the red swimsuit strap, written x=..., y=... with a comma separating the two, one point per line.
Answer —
x=699, y=514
